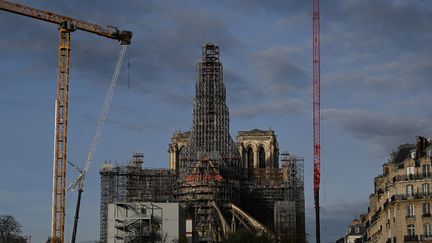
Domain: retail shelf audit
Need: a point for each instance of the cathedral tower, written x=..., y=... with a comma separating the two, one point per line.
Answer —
x=210, y=136
x=209, y=165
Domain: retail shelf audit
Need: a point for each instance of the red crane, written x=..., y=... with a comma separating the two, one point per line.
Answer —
x=316, y=113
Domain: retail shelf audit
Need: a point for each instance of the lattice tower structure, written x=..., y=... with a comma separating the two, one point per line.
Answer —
x=278, y=192
x=210, y=131
x=316, y=81
x=130, y=183
x=209, y=167
x=294, y=167
x=199, y=190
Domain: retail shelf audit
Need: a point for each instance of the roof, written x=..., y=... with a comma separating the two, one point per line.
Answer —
x=179, y=134
x=402, y=153
x=256, y=132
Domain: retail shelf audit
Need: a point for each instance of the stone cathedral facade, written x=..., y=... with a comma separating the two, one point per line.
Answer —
x=259, y=149
x=221, y=184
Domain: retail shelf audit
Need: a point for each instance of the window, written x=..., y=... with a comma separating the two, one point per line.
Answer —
x=410, y=172
x=427, y=231
x=426, y=209
x=411, y=230
x=261, y=158
x=410, y=211
x=409, y=190
x=426, y=169
x=413, y=154
x=357, y=230
x=425, y=189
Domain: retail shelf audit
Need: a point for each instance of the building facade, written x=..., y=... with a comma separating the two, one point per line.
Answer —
x=400, y=205
x=356, y=231
x=220, y=184
x=178, y=141
x=258, y=149
x=131, y=183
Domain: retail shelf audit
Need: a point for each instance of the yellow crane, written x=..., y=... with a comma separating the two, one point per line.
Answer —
x=66, y=26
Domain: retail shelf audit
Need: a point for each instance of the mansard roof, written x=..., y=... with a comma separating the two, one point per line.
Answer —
x=402, y=153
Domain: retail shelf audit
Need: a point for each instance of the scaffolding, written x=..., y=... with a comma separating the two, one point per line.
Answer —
x=275, y=191
x=207, y=178
x=210, y=169
x=199, y=191
x=285, y=221
x=131, y=183
x=210, y=131
x=137, y=222
x=293, y=167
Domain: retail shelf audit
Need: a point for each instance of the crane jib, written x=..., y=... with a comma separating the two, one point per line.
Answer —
x=66, y=26
x=68, y=23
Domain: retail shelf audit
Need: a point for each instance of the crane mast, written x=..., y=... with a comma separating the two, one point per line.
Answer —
x=316, y=72
x=67, y=25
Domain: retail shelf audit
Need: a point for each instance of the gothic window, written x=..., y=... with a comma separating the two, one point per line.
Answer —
x=249, y=158
x=261, y=158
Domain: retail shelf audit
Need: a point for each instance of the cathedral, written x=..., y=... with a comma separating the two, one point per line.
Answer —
x=222, y=185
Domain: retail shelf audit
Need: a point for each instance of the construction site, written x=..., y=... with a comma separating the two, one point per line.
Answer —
x=221, y=185
x=213, y=186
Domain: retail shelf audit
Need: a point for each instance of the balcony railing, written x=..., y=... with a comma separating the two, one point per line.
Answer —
x=374, y=218
x=419, y=195
x=409, y=216
x=411, y=177
x=425, y=237
x=408, y=238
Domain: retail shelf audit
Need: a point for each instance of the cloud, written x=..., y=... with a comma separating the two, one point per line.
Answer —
x=280, y=71
x=164, y=52
x=239, y=89
x=277, y=6
x=383, y=130
x=374, y=46
x=284, y=107
x=384, y=23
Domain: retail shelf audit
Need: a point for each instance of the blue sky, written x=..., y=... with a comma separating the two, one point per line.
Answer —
x=376, y=69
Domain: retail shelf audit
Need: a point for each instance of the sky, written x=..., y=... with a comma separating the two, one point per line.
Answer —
x=376, y=64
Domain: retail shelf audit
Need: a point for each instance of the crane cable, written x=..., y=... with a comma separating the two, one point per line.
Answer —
x=101, y=121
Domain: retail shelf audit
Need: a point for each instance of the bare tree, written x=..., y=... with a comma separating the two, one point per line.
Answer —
x=10, y=230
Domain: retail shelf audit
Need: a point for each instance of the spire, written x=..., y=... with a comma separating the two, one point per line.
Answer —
x=210, y=136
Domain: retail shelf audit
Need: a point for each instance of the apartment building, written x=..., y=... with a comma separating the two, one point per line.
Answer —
x=400, y=207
